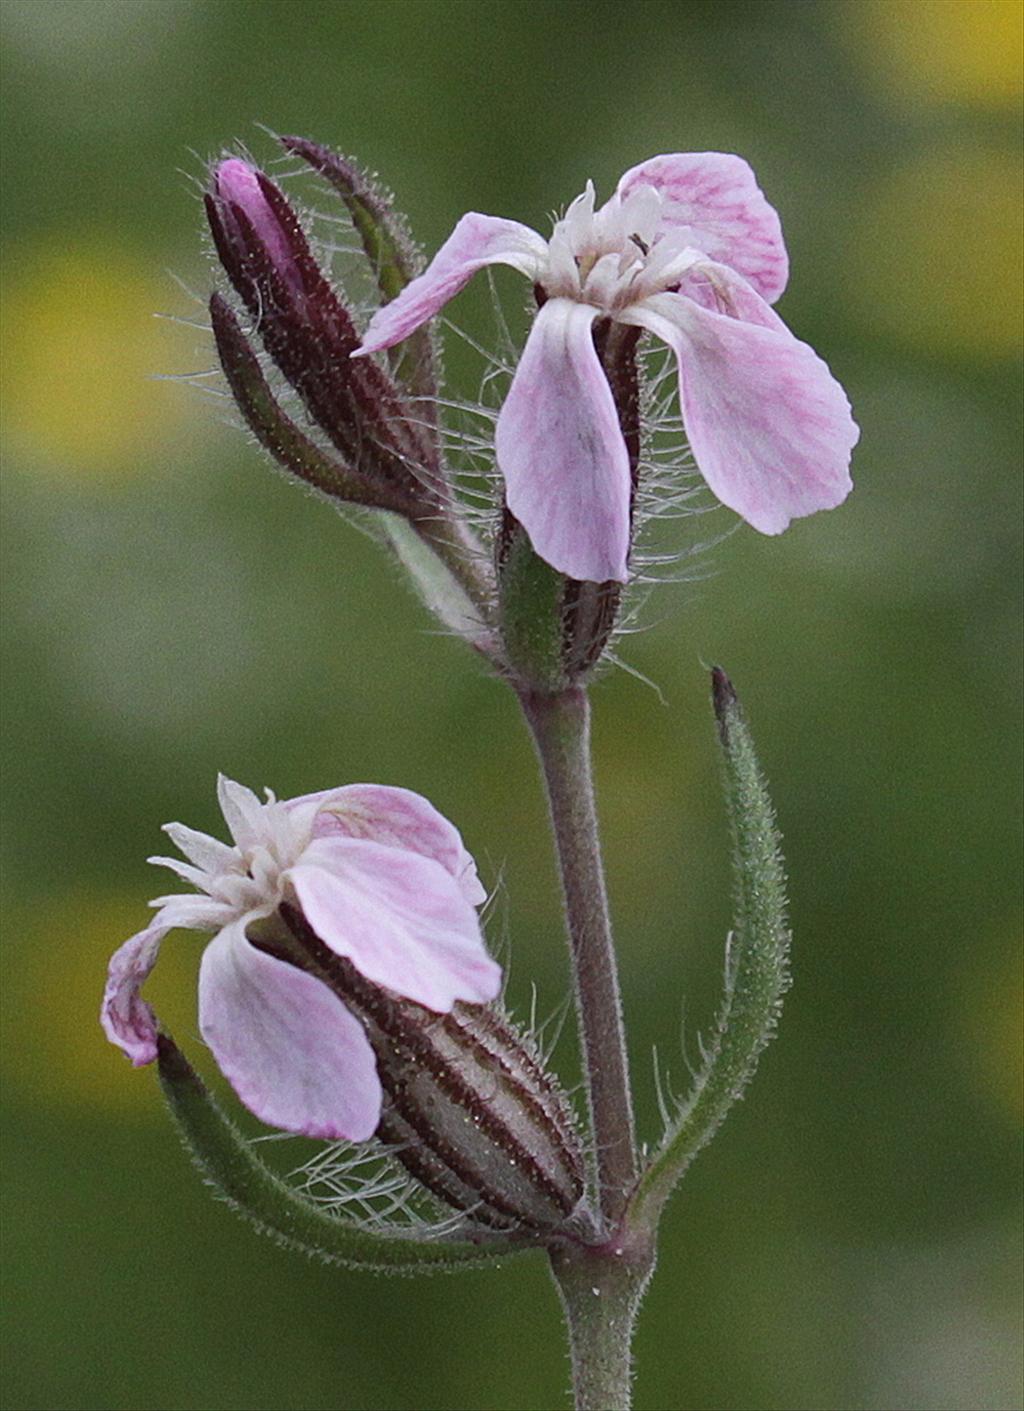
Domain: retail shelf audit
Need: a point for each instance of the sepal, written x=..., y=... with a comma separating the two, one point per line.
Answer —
x=554, y=629
x=248, y=1185
x=756, y=961
x=388, y=248
x=469, y=1107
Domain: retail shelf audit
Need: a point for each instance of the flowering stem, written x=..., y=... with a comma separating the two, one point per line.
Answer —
x=600, y=1289
x=561, y=730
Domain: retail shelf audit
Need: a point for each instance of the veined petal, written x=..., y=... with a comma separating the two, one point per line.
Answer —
x=560, y=448
x=768, y=424
x=715, y=198
x=127, y=1019
x=400, y=917
x=288, y=1046
x=716, y=287
x=401, y=819
x=476, y=241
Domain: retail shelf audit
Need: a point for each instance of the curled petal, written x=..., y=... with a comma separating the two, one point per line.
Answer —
x=127, y=1019
x=401, y=918
x=715, y=199
x=401, y=819
x=290, y=1049
x=769, y=425
x=475, y=242
x=561, y=451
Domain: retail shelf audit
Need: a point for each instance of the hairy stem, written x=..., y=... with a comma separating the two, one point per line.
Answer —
x=561, y=730
x=600, y=1291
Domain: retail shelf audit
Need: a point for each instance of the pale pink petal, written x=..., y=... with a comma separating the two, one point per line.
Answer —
x=185, y=870
x=242, y=811
x=475, y=242
x=560, y=449
x=237, y=184
x=287, y=1045
x=717, y=287
x=401, y=918
x=401, y=819
x=769, y=426
x=127, y=1019
x=714, y=198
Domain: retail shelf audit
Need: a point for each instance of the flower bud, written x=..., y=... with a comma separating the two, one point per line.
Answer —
x=468, y=1108
x=310, y=336
x=392, y=256
x=277, y=433
x=247, y=214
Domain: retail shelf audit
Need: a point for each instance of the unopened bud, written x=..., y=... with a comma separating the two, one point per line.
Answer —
x=310, y=335
x=241, y=197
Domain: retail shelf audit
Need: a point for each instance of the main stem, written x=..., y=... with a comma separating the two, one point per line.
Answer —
x=561, y=730
x=600, y=1291
x=600, y=1285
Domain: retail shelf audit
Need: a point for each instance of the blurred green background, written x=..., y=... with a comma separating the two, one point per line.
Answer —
x=851, y=1240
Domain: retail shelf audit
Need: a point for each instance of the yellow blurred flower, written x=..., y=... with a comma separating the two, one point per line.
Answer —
x=80, y=350
x=993, y=1019
x=939, y=51
x=54, y=1053
x=935, y=253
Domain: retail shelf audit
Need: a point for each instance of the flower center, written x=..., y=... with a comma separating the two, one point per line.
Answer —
x=600, y=257
x=277, y=838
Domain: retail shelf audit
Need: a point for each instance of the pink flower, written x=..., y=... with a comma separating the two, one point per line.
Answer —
x=380, y=877
x=688, y=249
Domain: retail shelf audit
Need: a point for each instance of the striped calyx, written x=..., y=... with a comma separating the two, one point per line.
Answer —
x=469, y=1109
